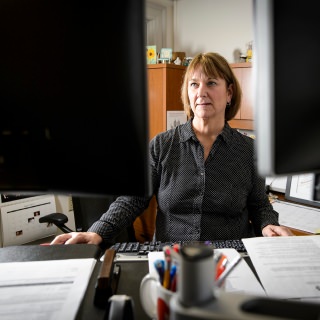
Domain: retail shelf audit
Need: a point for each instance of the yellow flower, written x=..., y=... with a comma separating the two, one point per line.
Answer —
x=151, y=54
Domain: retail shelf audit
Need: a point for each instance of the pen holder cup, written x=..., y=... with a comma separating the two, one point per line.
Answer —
x=196, y=278
x=155, y=299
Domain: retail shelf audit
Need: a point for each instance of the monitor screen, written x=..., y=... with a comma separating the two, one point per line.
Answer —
x=73, y=97
x=286, y=67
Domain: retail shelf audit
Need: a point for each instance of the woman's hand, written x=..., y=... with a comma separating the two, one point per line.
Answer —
x=77, y=237
x=275, y=231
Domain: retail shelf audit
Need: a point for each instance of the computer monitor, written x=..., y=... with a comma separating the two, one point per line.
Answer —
x=286, y=68
x=74, y=116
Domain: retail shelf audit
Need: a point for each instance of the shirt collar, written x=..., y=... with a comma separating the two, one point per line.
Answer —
x=187, y=132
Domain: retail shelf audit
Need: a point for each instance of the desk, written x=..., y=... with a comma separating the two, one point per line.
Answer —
x=131, y=273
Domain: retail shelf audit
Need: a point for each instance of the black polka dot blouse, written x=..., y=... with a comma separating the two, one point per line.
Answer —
x=220, y=198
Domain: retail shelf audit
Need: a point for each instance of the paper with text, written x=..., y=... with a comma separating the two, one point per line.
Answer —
x=47, y=290
x=288, y=267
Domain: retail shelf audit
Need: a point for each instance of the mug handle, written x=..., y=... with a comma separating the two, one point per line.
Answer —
x=148, y=295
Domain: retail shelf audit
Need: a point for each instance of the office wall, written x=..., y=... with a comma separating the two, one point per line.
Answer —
x=224, y=26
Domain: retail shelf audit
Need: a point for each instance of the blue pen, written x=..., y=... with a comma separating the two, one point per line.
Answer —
x=173, y=278
x=159, y=266
x=173, y=271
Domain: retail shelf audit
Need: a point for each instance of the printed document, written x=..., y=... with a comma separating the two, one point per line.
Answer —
x=47, y=290
x=288, y=267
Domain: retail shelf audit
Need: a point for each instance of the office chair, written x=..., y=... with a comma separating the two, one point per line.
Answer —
x=87, y=210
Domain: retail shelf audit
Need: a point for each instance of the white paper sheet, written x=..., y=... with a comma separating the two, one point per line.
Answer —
x=278, y=184
x=302, y=186
x=288, y=267
x=298, y=216
x=241, y=279
x=47, y=290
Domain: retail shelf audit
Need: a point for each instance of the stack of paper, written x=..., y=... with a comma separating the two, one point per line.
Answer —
x=288, y=267
x=298, y=216
x=50, y=289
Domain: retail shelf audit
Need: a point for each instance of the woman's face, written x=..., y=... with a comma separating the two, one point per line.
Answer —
x=208, y=96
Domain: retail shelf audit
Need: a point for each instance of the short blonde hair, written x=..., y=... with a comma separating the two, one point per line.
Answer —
x=213, y=65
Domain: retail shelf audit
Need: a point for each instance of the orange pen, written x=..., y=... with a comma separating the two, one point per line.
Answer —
x=221, y=265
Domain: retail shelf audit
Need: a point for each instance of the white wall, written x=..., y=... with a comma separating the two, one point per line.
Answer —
x=224, y=26
x=159, y=21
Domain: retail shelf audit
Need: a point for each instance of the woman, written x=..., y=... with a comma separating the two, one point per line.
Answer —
x=203, y=172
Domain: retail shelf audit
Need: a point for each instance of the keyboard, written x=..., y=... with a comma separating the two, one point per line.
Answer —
x=138, y=251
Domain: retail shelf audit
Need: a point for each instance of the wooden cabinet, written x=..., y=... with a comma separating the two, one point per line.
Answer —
x=244, y=118
x=164, y=87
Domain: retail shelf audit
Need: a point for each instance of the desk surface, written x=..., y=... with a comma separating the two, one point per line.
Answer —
x=131, y=273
